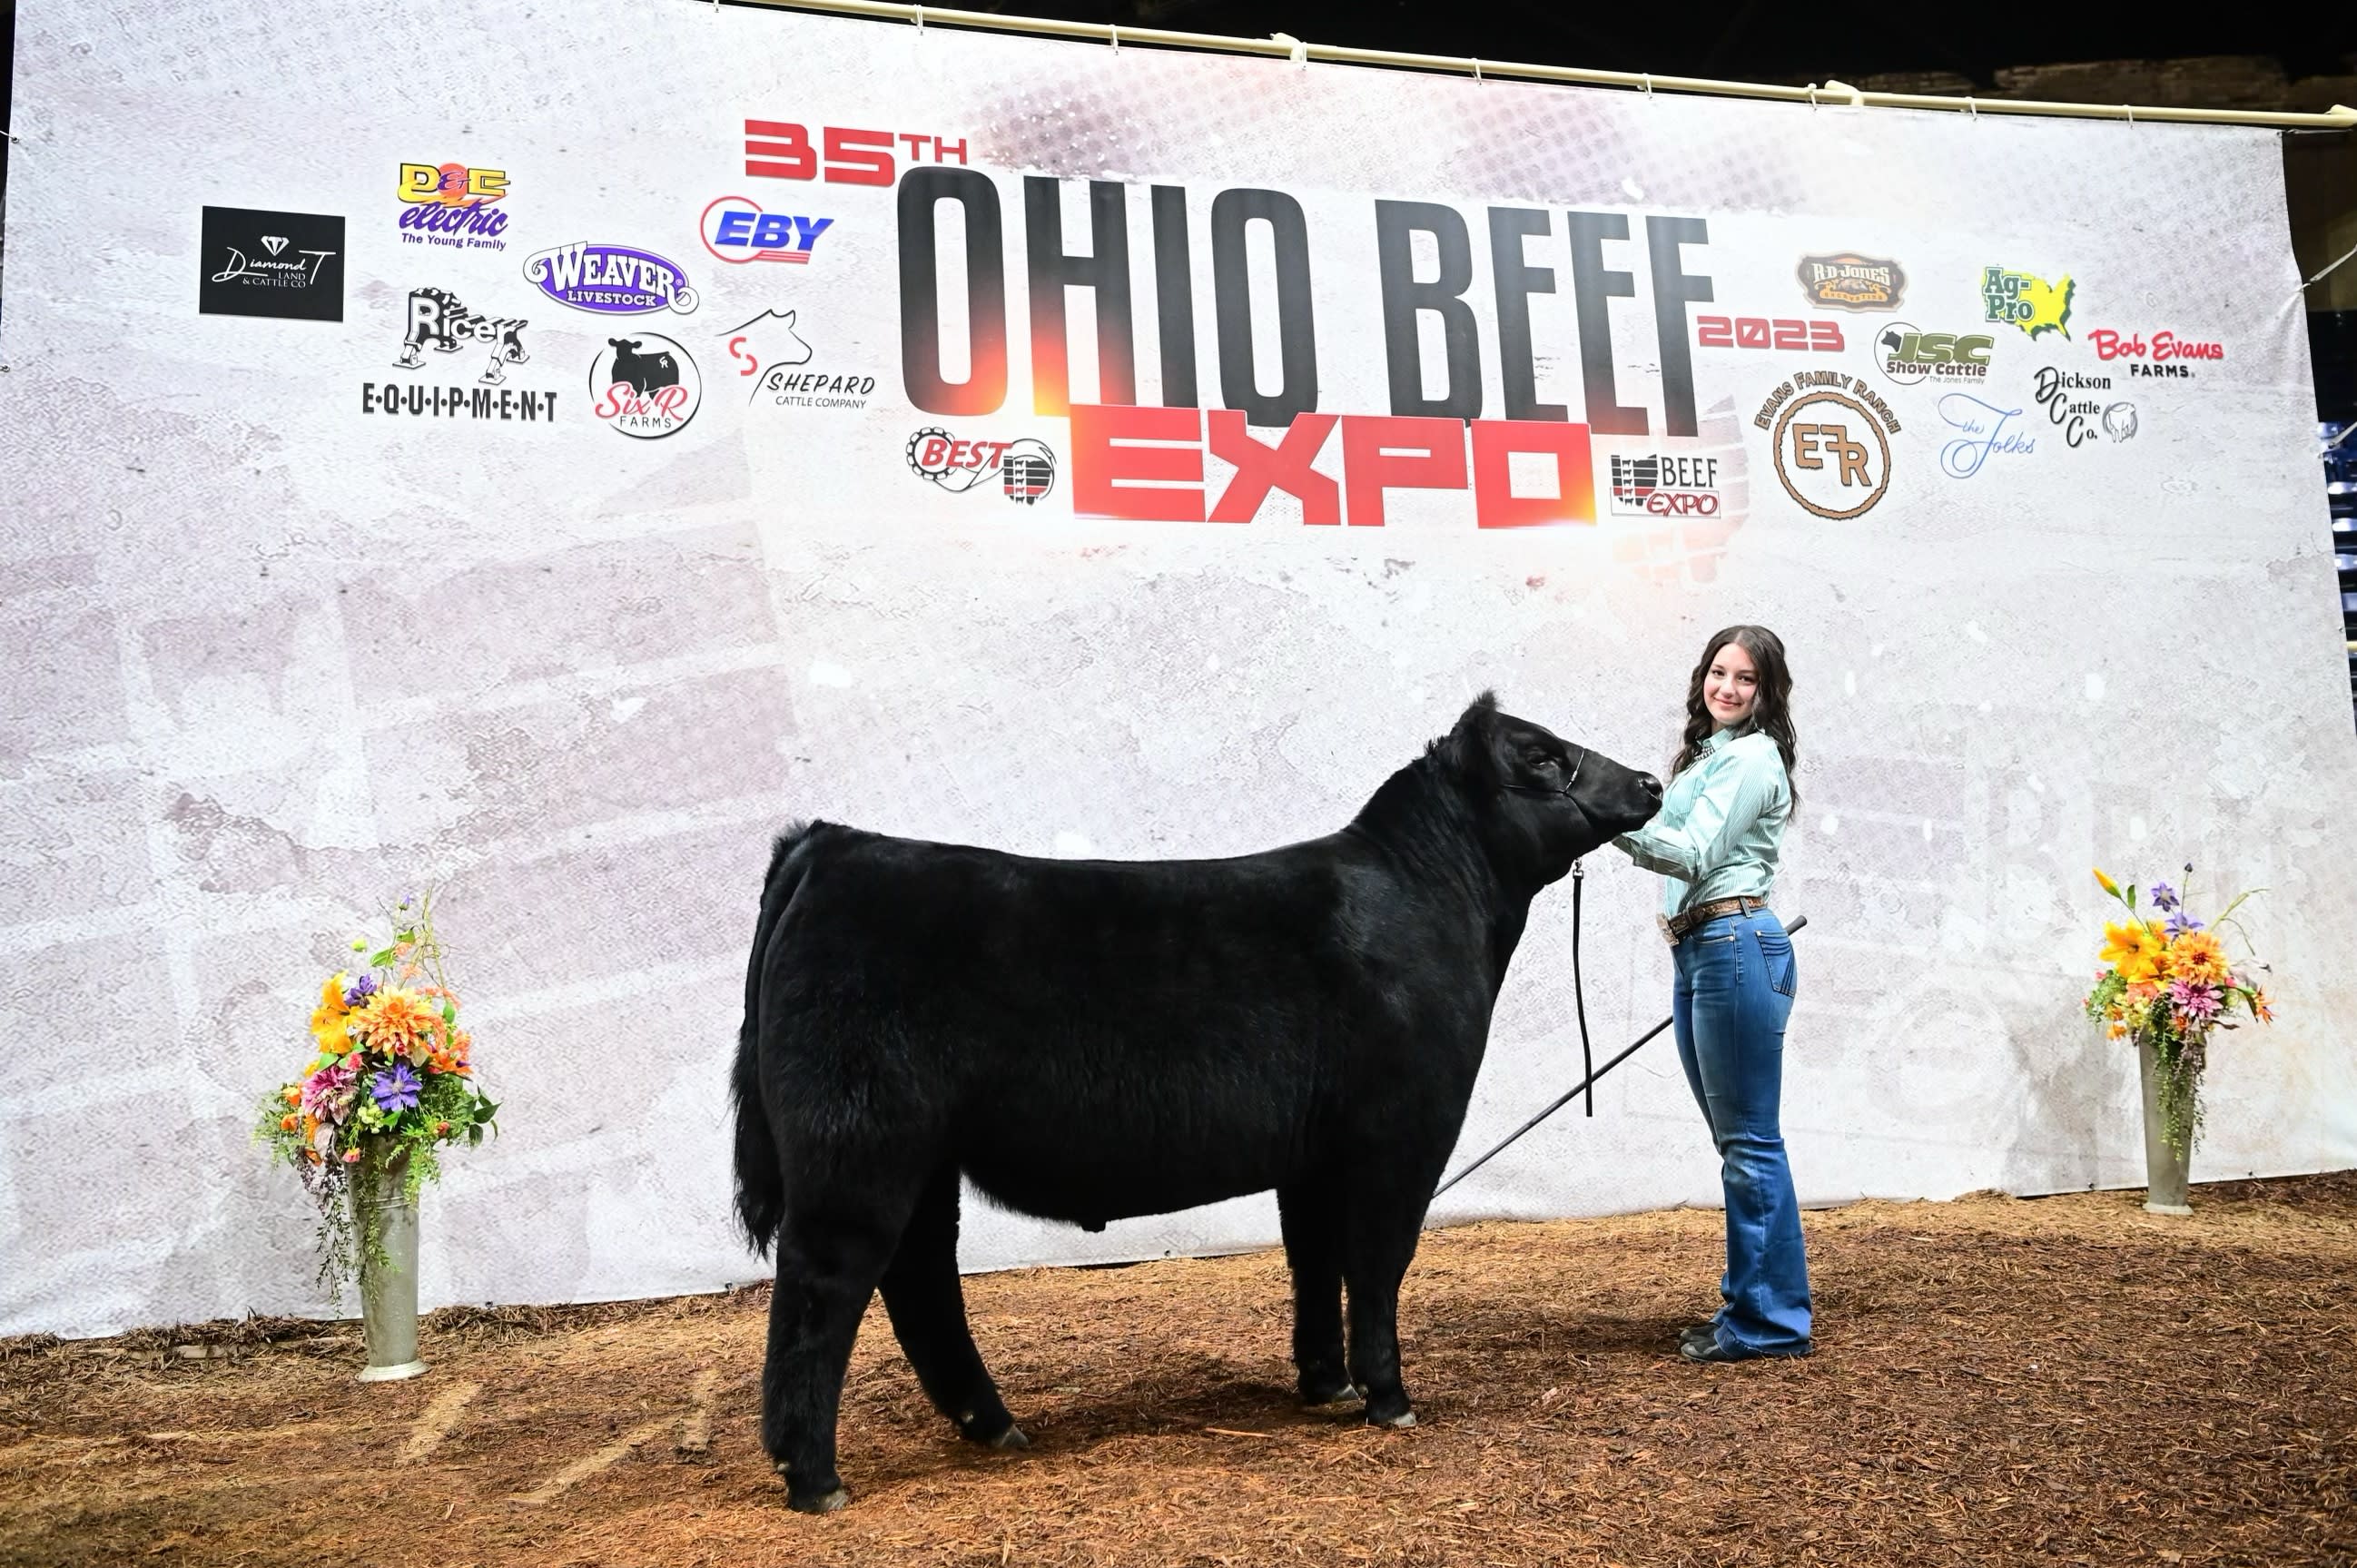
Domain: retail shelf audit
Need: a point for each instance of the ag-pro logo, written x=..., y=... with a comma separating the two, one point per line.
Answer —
x=2026, y=301
x=736, y=231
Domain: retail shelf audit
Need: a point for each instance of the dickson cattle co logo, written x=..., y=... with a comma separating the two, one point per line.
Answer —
x=451, y=204
x=644, y=386
x=1908, y=354
x=288, y=265
x=1831, y=435
x=1025, y=469
x=1852, y=282
x=612, y=280
x=437, y=320
x=736, y=231
x=2164, y=354
x=1658, y=484
x=2026, y=301
x=769, y=352
x=2065, y=397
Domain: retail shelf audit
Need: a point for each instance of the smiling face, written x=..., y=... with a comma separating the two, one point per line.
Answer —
x=1730, y=687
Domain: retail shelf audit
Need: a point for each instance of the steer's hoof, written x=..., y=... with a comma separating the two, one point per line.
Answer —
x=1405, y=1418
x=1012, y=1440
x=1327, y=1396
x=818, y=1502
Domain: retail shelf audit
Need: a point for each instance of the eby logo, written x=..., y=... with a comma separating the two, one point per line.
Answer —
x=736, y=231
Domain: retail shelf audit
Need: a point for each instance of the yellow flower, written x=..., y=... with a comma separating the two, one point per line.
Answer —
x=2196, y=956
x=2135, y=948
x=329, y=1023
x=2107, y=884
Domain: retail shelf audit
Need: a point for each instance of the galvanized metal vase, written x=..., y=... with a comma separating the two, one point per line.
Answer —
x=2164, y=1169
x=389, y=1291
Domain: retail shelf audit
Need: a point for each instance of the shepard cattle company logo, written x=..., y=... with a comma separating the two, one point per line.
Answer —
x=1658, y=484
x=453, y=204
x=2164, y=354
x=1025, y=469
x=737, y=231
x=1831, y=435
x=612, y=280
x=1852, y=282
x=1908, y=354
x=289, y=265
x=771, y=354
x=439, y=321
x=2026, y=301
x=2072, y=403
x=644, y=386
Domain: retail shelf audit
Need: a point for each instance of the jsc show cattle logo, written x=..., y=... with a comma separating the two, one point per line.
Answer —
x=737, y=231
x=1025, y=469
x=1908, y=354
x=1831, y=435
x=2026, y=301
x=288, y=265
x=644, y=386
x=612, y=280
x=453, y=204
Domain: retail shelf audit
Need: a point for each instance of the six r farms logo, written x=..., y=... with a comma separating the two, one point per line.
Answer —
x=1852, y=282
x=1660, y=485
x=1908, y=354
x=779, y=149
x=1767, y=332
x=1832, y=436
x=612, y=280
x=769, y=352
x=644, y=386
x=2025, y=301
x=451, y=204
x=2164, y=354
x=1025, y=469
x=288, y=265
x=438, y=321
x=736, y=231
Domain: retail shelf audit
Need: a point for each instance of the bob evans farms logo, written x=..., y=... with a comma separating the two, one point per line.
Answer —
x=612, y=280
x=644, y=386
x=1852, y=282
x=2164, y=355
x=1831, y=450
x=736, y=231
x=2029, y=303
x=451, y=204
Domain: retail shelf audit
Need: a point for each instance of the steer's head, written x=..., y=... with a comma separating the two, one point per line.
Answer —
x=1540, y=801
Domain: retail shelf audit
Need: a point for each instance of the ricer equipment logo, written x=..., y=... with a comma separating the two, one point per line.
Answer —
x=439, y=321
x=612, y=280
x=1852, y=282
x=254, y=263
x=2026, y=301
x=644, y=386
x=1831, y=435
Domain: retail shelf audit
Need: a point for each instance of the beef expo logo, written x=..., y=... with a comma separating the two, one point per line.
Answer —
x=1852, y=282
x=611, y=280
x=2164, y=354
x=644, y=386
x=453, y=204
x=1831, y=435
x=769, y=352
x=1025, y=469
x=286, y=264
x=736, y=231
x=1660, y=484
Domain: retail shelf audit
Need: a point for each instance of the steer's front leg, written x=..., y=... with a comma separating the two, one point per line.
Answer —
x=1373, y=1265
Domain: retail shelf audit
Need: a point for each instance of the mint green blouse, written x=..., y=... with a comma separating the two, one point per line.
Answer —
x=1720, y=825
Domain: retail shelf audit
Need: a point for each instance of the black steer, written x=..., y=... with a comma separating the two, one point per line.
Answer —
x=1089, y=1040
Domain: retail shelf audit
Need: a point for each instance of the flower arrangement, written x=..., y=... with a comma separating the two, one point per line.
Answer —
x=392, y=1081
x=2169, y=983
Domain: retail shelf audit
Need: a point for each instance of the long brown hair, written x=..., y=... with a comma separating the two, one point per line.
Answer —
x=1771, y=708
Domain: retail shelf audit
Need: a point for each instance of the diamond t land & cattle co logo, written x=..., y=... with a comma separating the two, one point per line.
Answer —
x=1832, y=452
x=1026, y=469
x=644, y=386
x=2026, y=301
x=1852, y=282
x=451, y=204
x=1658, y=484
x=1908, y=354
x=2165, y=354
x=288, y=265
x=612, y=280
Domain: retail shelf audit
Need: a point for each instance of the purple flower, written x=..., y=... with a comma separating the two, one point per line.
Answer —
x=2179, y=923
x=396, y=1090
x=2163, y=896
x=2197, y=1001
x=360, y=990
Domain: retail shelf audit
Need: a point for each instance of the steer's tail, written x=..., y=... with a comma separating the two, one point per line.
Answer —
x=760, y=1185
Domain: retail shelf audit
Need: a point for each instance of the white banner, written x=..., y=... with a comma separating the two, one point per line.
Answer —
x=544, y=452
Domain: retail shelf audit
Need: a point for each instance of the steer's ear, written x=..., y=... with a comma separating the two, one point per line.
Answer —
x=1468, y=744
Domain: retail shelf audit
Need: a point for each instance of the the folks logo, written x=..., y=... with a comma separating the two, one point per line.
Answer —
x=736, y=231
x=1025, y=469
x=2065, y=397
x=1658, y=484
x=452, y=204
x=2026, y=301
x=2164, y=354
x=288, y=265
x=437, y=320
x=1909, y=354
x=1852, y=282
x=771, y=354
x=644, y=386
x=612, y=280
x=1832, y=440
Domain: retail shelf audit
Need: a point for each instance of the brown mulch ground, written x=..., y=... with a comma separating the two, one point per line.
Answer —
x=2067, y=1379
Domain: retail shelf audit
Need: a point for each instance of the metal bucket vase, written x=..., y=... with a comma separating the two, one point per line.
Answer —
x=2164, y=1169
x=389, y=1291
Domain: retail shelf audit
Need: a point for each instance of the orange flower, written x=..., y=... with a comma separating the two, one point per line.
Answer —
x=393, y=1020
x=290, y=1121
x=293, y=1094
x=2260, y=1007
x=2196, y=956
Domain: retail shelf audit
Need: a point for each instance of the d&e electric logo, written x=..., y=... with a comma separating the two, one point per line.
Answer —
x=452, y=204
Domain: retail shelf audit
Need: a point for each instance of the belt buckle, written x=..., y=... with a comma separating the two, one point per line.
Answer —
x=1669, y=932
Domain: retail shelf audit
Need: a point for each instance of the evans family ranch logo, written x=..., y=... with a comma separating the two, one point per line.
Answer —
x=644, y=386
x=611, y=280
x=1832, y=434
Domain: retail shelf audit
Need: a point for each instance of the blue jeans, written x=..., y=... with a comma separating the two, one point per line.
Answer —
x=1735, y=985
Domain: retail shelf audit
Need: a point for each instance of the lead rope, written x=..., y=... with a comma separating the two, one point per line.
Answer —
x=1579, y=987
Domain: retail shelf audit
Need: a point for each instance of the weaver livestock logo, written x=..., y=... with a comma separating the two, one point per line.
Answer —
x=1831, y=442
x=769, y=353
x=439, y=321
x=612, y=280
x=1908, y=354
x=1658, y=484
x=644, y=386
x=288, y=265
x=2164, y=354
x=1852, y=282
x=1025, y=469
x=453, y=204
x=781, y=149
x=2026, y=301
x=2072, y=404
x=1767, y=332
x=736, y=231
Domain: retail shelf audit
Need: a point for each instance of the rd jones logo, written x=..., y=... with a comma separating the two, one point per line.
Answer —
x=737, y=231
x=771, y=357
x=1658, y=484
x=2023, y=300
x=611, y=280
x=1832, y=434
x=1908, y=354
x=644, y=386
x=1025, y=469
x=437, y=320
x=288, y=265
x=452, y=204
x=1852, y=282
x=2164, y=354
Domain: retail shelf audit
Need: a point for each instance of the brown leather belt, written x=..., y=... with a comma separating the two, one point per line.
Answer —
x=1677, y=926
